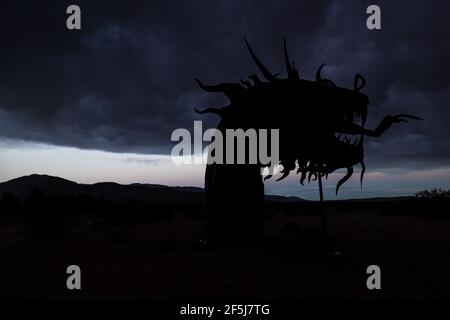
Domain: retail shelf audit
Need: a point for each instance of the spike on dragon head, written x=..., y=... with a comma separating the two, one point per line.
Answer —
x=316, y=118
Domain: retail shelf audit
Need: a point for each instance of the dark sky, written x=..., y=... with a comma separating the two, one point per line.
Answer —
x=124, y=82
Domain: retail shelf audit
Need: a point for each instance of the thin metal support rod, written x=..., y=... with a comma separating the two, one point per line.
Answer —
x=322, y=206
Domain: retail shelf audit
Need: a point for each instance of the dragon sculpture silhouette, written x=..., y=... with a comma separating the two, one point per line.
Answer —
x=321, y=128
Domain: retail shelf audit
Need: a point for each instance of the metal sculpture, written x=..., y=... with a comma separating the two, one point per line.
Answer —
x=316, y=121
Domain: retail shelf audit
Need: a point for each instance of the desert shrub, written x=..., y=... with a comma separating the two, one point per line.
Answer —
x=433, y=194
x=433, y=203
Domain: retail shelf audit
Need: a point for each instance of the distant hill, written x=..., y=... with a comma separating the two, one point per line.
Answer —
x=25, y=186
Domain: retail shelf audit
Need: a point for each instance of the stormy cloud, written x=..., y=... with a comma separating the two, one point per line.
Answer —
x=125, y=81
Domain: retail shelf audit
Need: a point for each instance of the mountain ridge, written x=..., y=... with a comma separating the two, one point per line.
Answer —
x=24, y=186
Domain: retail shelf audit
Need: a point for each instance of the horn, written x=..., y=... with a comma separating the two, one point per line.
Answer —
x=267, y=74
x=345, y=178
x=209, y=110
x=357, y=86
x=228, y=89
x=318, y=77
x=291, y=71
x=409, y=116
x=213, y=88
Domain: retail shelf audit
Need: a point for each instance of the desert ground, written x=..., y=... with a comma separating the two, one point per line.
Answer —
x=163, y=260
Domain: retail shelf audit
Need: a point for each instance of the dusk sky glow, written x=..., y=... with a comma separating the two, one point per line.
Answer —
x=91, y=166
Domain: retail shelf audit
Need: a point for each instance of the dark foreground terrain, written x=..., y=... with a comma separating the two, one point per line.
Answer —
x=136, y=250
x=161, y=260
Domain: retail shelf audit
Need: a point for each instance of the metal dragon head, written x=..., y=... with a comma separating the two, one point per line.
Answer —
x=315, y=118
